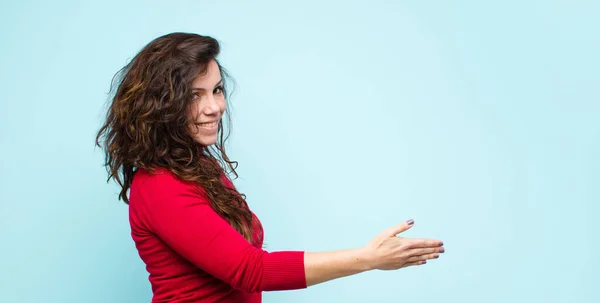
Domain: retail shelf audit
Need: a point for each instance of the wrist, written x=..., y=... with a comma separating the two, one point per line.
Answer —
x=364, y=259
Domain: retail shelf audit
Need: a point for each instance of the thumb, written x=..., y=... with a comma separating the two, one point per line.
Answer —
x=402, y=227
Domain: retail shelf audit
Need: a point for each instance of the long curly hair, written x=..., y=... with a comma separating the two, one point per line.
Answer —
x=146, y=124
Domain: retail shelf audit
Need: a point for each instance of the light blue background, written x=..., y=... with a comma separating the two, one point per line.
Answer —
x=478, y=119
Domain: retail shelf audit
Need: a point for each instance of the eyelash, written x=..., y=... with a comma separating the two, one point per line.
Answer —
x=220, y=88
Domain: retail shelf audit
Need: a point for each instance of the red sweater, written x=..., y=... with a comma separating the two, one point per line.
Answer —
x=193, y=255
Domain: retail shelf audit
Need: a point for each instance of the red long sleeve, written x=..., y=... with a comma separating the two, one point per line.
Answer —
x=193, y=253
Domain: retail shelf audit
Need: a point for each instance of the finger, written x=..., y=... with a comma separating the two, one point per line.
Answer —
x=402, y=227
x=416, y=263
x=425, y=251
x=423, y=257
x=423, y=243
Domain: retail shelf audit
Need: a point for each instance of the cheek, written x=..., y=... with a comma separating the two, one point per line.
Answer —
x=192, y=116
x=192, y=130
x=222, y=104
x=193, y=111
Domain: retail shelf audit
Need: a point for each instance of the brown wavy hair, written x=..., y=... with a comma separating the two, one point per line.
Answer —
x=146, y=124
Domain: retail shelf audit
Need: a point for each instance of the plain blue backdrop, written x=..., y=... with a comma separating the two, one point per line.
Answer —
x=479, y=119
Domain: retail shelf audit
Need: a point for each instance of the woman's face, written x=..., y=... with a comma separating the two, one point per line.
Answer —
x=208, y=106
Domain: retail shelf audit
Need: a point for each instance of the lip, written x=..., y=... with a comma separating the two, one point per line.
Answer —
x=207, y=122
x=210, y=127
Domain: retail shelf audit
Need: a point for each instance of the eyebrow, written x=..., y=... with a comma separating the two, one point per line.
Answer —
x=203, y=89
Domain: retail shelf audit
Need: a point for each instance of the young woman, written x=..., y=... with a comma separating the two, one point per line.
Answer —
x=164, y=144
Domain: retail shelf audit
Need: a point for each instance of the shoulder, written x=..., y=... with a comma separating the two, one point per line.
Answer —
x=161, y=183
x=160, y=177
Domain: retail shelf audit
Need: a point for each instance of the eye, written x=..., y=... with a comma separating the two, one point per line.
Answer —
x=219, y=89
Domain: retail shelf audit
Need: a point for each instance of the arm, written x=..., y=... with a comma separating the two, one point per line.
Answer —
x=324, y=266
x=386, y=251
x=185, y=221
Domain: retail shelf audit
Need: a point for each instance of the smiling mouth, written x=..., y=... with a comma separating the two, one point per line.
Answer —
x=208, y=124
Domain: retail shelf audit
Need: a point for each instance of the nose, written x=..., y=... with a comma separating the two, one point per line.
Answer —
x=211, y=106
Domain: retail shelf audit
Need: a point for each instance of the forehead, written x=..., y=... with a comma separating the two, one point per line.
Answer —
x=210, y=78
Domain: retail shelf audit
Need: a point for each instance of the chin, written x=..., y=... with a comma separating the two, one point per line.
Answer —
x=206, y=141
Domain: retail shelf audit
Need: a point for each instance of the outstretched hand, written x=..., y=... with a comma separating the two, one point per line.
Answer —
x=387, y=251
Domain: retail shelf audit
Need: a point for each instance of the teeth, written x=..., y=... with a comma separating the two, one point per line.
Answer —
x=208, y=124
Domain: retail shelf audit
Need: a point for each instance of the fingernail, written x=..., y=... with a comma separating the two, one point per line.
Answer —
x=410, y=222
x=441, y=243
x=436, y=256
x=442, y=250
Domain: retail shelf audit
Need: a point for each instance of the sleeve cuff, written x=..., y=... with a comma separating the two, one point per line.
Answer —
x=284, y=271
